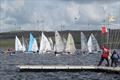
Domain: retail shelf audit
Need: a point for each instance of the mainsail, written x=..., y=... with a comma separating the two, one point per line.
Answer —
x=90, y=45
x=51, y=43
x=93, y=44
x=70, y=45
x=23, y=44
x=84, y=46
x=44, y=44
x=32, y=44
x=59, y=45
x=18, y=45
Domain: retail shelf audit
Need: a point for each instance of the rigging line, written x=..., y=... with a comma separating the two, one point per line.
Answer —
x=102, y=38
x=111, y=37
x=108, y=41
x=112, y=45
x=107, y=38
x=118, y=39
x=115, y=38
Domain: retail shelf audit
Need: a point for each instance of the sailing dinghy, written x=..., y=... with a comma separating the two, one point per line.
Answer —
x=70, y=45
x=18, y=45
x=59, y=45
x=33, y=47
x=93, y=45
x=45, y=45
x=84, y=46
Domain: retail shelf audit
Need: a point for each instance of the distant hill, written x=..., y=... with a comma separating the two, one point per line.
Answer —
x=114, y=36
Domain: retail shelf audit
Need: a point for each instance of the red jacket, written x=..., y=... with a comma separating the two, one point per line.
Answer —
x=105, y=54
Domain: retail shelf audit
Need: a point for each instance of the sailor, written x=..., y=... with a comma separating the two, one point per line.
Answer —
x=114, y=58
x=105, y=56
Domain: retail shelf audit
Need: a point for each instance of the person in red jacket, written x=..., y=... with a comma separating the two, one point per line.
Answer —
x=105, y=56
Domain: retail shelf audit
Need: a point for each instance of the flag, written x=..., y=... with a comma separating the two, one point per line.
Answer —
x=104, y=29
x=111, y=18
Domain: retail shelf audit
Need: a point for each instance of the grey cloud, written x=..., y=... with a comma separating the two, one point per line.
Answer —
x=93, y=1
x=52, y=14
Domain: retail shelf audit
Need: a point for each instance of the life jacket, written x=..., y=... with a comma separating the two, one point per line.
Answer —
x=116, y=56
x=105, y=55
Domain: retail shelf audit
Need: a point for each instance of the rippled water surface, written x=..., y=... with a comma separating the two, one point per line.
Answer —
x=8, y=70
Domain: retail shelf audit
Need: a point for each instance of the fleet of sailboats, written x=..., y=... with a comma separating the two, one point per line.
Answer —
x=60, y=45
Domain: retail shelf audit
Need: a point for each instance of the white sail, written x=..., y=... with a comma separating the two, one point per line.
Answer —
x=18, y=45
x=59, y=45
x=84, y=46
x=93, y=44
x=51, y=43
x=64, y=41
x=70, y=45
x=34, y=45
x=23, y=44
x=44, y=44
x=90, y=45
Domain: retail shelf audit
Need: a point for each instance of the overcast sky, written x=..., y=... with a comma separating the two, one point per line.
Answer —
x=52, y=14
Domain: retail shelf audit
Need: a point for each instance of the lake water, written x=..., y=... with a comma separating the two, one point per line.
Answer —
x=8, y=70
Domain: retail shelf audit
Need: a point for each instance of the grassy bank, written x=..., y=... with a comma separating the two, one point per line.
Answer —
x=7, y=43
